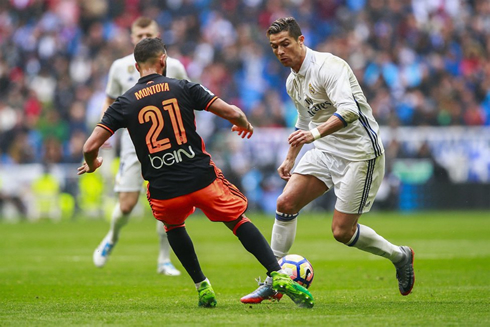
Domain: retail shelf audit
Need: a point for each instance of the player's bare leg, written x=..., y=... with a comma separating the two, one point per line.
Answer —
x=347, y=230
x=299, y=191
x=119, y=218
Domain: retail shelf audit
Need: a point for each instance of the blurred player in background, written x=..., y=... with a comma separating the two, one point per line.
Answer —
x=348, y=154
x=159, y=114
x=122, y=76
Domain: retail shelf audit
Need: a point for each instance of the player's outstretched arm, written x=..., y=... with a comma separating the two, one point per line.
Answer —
x=234, y=115
x=91, y=150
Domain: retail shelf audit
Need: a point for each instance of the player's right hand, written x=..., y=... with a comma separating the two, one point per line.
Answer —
x=85, y=168
x=243, y=132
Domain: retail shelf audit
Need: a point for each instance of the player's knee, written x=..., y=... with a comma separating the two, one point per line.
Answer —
x=235, y=224
x=127, y=201
x=126, y=207
x=286, y=205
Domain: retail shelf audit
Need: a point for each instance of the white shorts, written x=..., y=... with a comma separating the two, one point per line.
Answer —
x=128, y=178
x=355, y=183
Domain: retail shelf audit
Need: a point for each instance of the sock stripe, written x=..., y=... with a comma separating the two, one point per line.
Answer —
x=356, y=238
x=240, y=223
x=285, y=216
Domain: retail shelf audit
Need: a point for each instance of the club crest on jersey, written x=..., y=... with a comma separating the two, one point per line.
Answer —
x=131, y=69
x=310, y=87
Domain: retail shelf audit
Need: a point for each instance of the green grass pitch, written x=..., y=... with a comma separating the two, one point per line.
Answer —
x=47, y=277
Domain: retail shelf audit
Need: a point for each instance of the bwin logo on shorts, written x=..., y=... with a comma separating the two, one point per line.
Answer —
x=171, y=158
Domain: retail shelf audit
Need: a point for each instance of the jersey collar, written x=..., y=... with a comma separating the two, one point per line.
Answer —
x=148, y=78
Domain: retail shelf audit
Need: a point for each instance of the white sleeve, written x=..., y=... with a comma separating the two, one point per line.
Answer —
x=336, y=79
x=113, y=88
x=180, y=71
x=176, y=70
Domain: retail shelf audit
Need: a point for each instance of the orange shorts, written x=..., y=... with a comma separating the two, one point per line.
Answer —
x=220, y=201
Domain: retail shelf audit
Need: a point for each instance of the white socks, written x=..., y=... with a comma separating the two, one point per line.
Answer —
x=366, y=239
x=164, y=253
x=283, y=234
x=118, y=220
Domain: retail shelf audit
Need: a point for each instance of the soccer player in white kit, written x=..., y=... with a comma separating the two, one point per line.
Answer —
x=122, y=76
x=348, y=154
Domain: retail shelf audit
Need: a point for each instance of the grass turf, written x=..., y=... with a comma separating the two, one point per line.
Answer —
x=47, y=276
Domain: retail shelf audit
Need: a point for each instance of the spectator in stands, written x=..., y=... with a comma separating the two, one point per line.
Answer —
x=421, y=62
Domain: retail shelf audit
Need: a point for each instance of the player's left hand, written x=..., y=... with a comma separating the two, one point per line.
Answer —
x=84, y=168
x=243, y=132
x=285, y=168
x=300, y=137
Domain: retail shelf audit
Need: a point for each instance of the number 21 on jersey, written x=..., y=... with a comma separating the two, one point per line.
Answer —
x=154, y=115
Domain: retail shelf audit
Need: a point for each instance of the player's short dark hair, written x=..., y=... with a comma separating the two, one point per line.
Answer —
x=285, y=24
x=149, y=48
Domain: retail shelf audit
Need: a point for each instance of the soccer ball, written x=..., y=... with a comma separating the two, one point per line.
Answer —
x=300, y=269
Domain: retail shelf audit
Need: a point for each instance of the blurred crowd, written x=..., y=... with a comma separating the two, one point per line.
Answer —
x=420, y=62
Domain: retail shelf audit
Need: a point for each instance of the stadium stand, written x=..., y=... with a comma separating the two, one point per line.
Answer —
x=420, y=63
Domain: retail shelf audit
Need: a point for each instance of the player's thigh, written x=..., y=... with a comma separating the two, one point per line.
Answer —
x=357, y=184
x=172, y=212
x=310, y=179
x=221, y=201
x=299, y=191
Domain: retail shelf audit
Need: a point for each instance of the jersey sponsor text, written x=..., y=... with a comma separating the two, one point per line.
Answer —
x=312, y=110
x=171, y=158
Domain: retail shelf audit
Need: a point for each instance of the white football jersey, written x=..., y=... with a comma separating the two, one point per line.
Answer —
x=123, y=76
x=324, y=85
